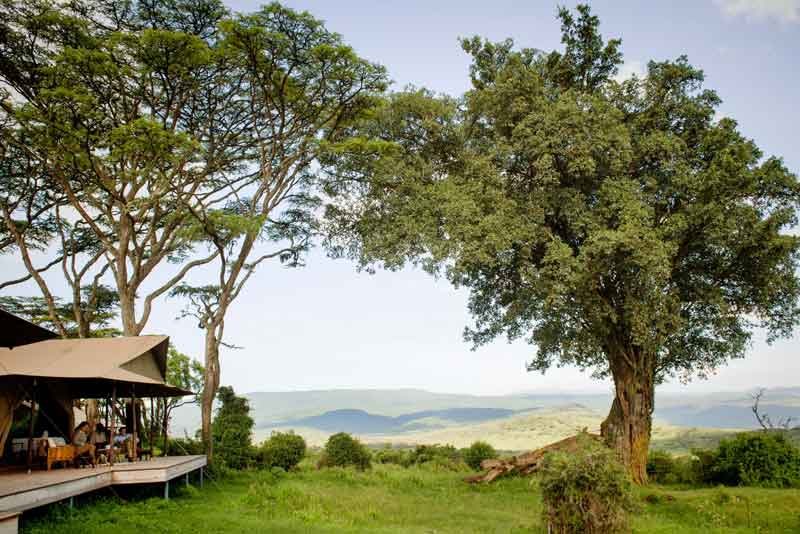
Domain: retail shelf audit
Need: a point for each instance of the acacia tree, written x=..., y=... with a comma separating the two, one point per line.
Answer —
x=132, y=114
x=619, y=227
x=302, y=87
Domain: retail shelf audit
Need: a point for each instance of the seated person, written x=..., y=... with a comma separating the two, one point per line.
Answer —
x=80, y=440
x=100, y=436
x=123, y=439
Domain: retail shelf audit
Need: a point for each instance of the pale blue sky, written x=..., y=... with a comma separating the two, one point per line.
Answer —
x=326, y=326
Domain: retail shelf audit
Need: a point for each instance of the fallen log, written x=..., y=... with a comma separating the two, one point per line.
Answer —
x=524, y=464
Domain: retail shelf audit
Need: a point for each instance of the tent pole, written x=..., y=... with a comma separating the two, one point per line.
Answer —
x=111, y=428
x=133, y=410
x=152, y=424
x=30, y=425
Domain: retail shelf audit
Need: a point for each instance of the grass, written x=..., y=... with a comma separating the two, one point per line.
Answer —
x=389, y=498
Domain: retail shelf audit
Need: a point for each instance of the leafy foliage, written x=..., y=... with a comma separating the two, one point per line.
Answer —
x=282, y=449
x=621, y=227
x=765, y=459
x=343, y=450
x=99, y=308
x=184, y=446
x=665, y=468
x=232, y=430
x=389, y=455
x=478, y=452
x=586, y=491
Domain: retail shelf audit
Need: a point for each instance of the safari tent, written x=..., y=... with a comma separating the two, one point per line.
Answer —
x=45, y=374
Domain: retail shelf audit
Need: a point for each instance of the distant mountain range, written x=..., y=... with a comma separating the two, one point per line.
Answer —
x=399, y=411
x=361, y=422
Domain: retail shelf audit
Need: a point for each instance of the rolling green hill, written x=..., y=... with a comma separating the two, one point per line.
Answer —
x=511, y=422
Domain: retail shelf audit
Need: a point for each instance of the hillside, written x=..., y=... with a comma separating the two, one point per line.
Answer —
x=362, y=422
x=399, y=411
x=519, y=432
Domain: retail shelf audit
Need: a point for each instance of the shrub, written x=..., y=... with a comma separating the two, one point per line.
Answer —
x=391, y=456
x=342, y=450
x=427, y=453
x=478, y=452
x=664, y=468
x=585, y=491
x=184, y=446
x=765, y=459
x=282, y=449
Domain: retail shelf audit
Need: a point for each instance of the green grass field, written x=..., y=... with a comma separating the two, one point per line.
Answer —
x=390, y=498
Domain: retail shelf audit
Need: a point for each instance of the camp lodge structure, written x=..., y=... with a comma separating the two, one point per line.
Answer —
x=41, y=378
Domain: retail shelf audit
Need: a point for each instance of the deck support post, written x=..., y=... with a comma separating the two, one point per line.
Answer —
x=166, y=490
x=72, y=502
x=111, y=430
x=186, y=479
x=201, y=477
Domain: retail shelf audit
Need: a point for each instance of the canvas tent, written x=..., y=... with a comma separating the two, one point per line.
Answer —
x=66, y=369
x=16, y=331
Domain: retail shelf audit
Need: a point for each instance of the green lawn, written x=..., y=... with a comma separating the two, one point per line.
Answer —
x=390, y=498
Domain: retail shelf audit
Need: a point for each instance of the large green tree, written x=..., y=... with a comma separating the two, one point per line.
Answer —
x=303, y=88
x=126, y=110
x=622, y=227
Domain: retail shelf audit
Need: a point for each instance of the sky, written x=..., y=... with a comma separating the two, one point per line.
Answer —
x=328, y=326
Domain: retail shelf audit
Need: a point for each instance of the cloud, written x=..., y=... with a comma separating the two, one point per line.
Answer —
x=629, y=69
x=787, y=11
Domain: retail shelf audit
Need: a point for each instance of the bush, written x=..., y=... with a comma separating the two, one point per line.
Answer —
x=391, y=456
x=664, y=468
x=282, y=449
x=586, y=491
x=478, y=452
x=428, y=453
x=342, y=450
x=764, y=459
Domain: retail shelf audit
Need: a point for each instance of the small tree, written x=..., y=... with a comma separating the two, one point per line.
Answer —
x=282, y=449
x=763, y=418
x=342, y=450
x=232, y=429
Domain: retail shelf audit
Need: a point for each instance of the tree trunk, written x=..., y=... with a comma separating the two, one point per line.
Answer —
x=165, y=426
x=127, y=310
x=210, y=385
x=627, y=427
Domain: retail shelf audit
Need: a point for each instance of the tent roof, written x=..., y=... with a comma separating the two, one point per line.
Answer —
x=17, y=331
x=92, y=365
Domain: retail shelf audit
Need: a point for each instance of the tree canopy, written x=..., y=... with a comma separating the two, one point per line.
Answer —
x=619, y=226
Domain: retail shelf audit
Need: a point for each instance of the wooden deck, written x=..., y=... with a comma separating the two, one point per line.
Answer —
x=20, y=490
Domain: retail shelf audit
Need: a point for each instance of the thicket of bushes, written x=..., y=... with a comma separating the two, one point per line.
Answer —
x=443, y=457
x=765, y=459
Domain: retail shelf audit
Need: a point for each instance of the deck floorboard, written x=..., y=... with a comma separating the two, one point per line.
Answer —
x=21, y=490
